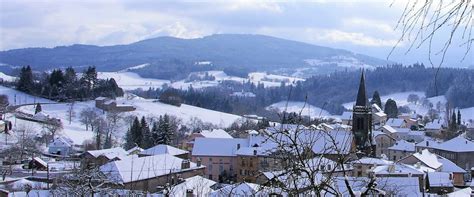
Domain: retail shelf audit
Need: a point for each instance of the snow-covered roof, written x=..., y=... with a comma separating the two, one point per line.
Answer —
x=457, y=144
x=347, y=115
x=380, y=114
x=61, y=141
x=389, y=129
x=239, y=189
x=440, y=179
x=133, y=168
x=198, y=184
x=435, y=125
x=136, y=148
x=109, y=153
x=217, y=146
x=215, y=133
x=393, y=186
x=373, y=161
x=461, y=192
x=40, y=161
x=396, y=168
x=395, y=122
x=449, y=166
x=41, y=116
x=163, y=149
x=428, y=158
x=376, y=107
x=100, y=98
x=403, y=145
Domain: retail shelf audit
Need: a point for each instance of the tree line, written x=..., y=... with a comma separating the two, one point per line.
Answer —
x=162, y=131
x=66, y=85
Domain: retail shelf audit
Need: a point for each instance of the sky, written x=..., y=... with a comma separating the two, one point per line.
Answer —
x=364, y=26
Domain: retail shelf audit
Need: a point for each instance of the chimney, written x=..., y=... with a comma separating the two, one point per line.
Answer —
x=238, y=146
x=189, y=193
x=185, y=164
x=254, y=152
x=427, y=143
x=198, y=162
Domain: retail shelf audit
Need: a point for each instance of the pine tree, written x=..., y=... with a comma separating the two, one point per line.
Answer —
x=459, y=117
x=136, y=133
x=147, y=141
x=165, y=131
x=453, y=121
x=391, y=108
x=108, y=141
x=25, y=83
x=38, y=108
x=376, y=99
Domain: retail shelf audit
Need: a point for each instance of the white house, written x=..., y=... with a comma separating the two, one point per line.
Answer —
x=62, y=146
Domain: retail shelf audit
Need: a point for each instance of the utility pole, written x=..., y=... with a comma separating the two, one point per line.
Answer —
x=47, y=174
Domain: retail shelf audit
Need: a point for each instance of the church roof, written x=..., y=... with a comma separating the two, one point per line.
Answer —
x=361, y=94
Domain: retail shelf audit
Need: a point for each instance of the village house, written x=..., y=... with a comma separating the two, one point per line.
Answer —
x=396, y=123
x=361, y=167
x=164, y=149
x=434, y=127
x=459, y=150
x=438, y=164
x=379, y=117
x=134, y=151
x=149, y=173
x=100, y=157
x=61, y=146
x=107, y=104
x=188, y=143
x=382, y=142
x=400, y=149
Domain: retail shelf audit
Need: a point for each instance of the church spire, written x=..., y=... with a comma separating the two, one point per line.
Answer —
x=361, y=95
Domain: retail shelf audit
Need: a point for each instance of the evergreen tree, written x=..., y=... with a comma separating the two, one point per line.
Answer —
x=147, y=141
x=56, y=78
x=26, y=82
x=135, y=134
x=108, y=141
x=165, y=130
x=391, y=108
x=38, y=108
x=376, y=99
x=453, y=121
x=459, y=117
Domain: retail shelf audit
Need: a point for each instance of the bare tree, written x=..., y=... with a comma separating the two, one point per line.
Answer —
x=88, y=117
x=422, y=21
x=70, y=112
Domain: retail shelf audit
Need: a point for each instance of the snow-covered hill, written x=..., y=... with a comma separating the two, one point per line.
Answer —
x=297, y=107
x=77, y=131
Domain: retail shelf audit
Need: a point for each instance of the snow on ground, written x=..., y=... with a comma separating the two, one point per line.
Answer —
x=131, y=81
x=5, y=77
x=467, y=114
x=17, y=98
x=294, y=106
x=147, y=107
x=342, y=61
x=400, y=98
x=135, y=67
x=271, y=80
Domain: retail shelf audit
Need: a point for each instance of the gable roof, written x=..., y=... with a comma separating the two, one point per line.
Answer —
x=217, y=146
x=134, y=168
x=163, y=149
x=395, y=122
x=428, y=158
x=439, y=179
x=198, y=184
x=215, y=133
x=109, y=153
x=403, y=145
x=239, y=189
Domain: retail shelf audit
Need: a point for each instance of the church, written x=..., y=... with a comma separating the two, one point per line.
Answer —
x=362, y=122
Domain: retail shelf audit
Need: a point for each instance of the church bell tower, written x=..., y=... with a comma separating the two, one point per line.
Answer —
x=362, y=122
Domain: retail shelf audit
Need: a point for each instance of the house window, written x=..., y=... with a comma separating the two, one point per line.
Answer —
x=210, y=176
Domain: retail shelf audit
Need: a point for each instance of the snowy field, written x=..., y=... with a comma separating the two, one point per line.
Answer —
x=77, y=131
x=5, y=77
x=305, y=109
x=130, y=81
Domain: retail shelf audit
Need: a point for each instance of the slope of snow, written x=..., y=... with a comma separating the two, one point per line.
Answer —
x=131, y=81
x=271, y=80
x=135, y=67
x=147, y=107
x=6, y=77
x=297, y=107
x=400, y=98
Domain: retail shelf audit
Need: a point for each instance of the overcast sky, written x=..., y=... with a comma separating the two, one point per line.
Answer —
x=361, y=26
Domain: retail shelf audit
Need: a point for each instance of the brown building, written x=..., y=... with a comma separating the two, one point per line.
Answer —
x=107, y=104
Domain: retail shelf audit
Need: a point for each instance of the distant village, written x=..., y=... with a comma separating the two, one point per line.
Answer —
x=365, y=153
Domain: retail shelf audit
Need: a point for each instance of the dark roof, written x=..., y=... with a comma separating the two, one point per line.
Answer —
x=361, y=95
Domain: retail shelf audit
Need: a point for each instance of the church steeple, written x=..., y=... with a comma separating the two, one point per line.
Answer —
x=362, y=121
x=361, y=95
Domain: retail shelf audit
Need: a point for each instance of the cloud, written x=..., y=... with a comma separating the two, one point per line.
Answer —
x=355, y=38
